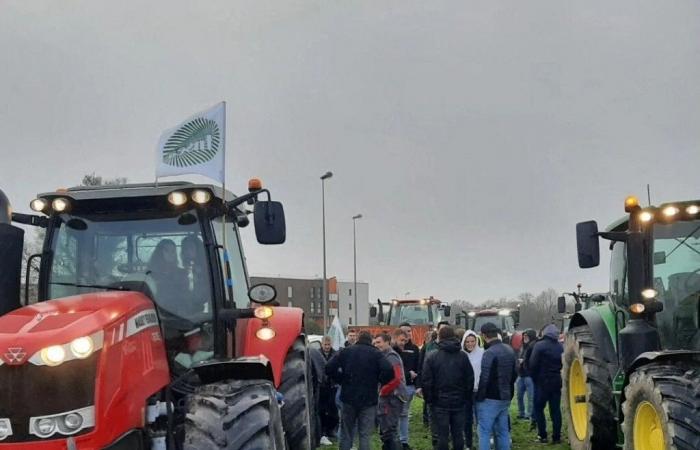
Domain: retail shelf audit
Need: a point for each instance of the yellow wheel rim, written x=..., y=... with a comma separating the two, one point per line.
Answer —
x=578, y=407
x=648, y=431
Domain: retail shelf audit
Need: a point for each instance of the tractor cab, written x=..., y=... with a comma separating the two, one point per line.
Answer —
x=165, y=241
x=417, y=312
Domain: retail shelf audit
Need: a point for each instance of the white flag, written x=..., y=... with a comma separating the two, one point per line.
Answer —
x=197, y=145
x=336, y=334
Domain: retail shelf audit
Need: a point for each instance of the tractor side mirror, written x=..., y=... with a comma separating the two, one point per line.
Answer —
x=587, y=244
x=561, y=305
x=447, y=310
x=373, y=312
x=270, y=227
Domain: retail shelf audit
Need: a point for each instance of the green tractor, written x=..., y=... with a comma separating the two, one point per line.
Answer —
x=631, y=373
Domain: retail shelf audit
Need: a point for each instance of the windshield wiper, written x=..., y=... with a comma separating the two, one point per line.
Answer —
x=683, y=241
x=91, y=286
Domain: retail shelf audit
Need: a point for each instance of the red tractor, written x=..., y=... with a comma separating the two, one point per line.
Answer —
x=423, y=315
x=142, y=338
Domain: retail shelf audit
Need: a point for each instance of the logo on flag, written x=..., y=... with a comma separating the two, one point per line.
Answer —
x=197, y=145
x=194, y=143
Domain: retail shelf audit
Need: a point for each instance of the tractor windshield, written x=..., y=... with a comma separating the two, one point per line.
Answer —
x=164, y=256
x=414, y=313
x=676, y=263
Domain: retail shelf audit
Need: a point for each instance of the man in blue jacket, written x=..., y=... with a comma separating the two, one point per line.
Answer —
x=496, y=389
x=545, y=369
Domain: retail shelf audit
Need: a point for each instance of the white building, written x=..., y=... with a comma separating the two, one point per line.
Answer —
x=351, y=314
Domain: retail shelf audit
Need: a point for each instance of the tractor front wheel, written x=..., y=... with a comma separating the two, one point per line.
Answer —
x=587, y=393
x=661, y=408
x=234, y=415
x=298, y=397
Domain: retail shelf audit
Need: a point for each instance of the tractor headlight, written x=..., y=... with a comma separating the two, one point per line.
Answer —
x=54, y=355
x=670, y=211
x=692, y=209
x=177, y=198
x=471, y=314
x=45, y=427
x=637, y=308
x=5, y=429
x=60, y=205
x=38, y=204
x=263, y=312
x=645, y=216
x=649, y=293
x=66, y=423
x=265, y=333
x=201, y=196
x=82, y=347
x=504, y=312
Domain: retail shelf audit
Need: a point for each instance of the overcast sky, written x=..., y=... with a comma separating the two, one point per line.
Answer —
x=471, y=135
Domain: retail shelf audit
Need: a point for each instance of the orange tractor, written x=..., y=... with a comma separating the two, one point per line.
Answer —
x=423, y=314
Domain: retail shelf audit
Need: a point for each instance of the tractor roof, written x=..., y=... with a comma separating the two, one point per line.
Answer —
x=430, y=300
x=116, y=191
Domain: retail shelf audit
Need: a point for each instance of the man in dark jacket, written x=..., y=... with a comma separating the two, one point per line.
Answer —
x=524, y=384
x=410, y=355
x=448, y=387
x=496, y=389
x=545, y=368
x=359, y=369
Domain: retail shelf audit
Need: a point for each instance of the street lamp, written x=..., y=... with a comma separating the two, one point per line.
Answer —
x=354, y=257
x=324, y=305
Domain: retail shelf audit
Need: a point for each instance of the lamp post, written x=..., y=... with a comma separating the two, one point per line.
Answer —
x=354, y=259
x=324, y=305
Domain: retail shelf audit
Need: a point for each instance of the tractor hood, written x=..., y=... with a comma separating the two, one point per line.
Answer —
x=26, y=331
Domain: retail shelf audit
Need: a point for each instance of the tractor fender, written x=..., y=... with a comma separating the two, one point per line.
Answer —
x=287, y=324
x=663, y=356
x=601, y=333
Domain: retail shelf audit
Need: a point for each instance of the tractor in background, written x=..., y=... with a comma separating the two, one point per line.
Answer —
x=506, y=319
x=632, y=364
x=142, y=337
x=582, y=300
x=423, y=314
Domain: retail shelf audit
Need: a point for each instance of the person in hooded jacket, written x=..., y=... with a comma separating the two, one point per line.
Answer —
x=545, y=368
x=524, y=384
x=448, y=385
x=470, y=344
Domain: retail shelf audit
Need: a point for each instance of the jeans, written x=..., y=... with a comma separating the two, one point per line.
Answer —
x=389, y=411
x=403, y=419
x=363, y=419
x=551, y=393
x=493, y=419
x=525, y=385
x=445, y=422
x=470, y=413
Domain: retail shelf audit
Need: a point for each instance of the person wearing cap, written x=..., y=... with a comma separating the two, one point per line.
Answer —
x=496, y=389
x=545, y=368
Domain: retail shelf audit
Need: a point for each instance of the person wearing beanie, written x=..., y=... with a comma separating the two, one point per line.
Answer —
x=471, y=345
x=545, y=369
x=448, y=385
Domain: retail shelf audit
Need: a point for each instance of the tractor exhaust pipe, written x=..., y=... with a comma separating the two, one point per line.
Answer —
x=11, y=244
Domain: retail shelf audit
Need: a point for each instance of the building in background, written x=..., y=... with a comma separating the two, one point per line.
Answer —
x=307, y=294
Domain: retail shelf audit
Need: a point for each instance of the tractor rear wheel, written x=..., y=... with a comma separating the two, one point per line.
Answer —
x=661, y=408
x=587, y=393
x=234, y=415
x=298, y=397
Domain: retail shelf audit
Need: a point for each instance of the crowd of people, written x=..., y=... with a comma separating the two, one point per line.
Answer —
x=466, y=379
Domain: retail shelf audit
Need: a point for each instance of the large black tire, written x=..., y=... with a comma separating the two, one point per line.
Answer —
x=234, y=415
x=672, y=391
x=298, y=397
x=598, y=430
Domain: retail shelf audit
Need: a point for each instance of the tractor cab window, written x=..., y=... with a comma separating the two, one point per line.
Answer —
x=164, y=257
x=618, y=273
x=504, y=323
x=239, y=276
x=676, y=268
x=414, y=313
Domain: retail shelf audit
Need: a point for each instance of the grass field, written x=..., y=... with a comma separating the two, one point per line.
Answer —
x=419, y=436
